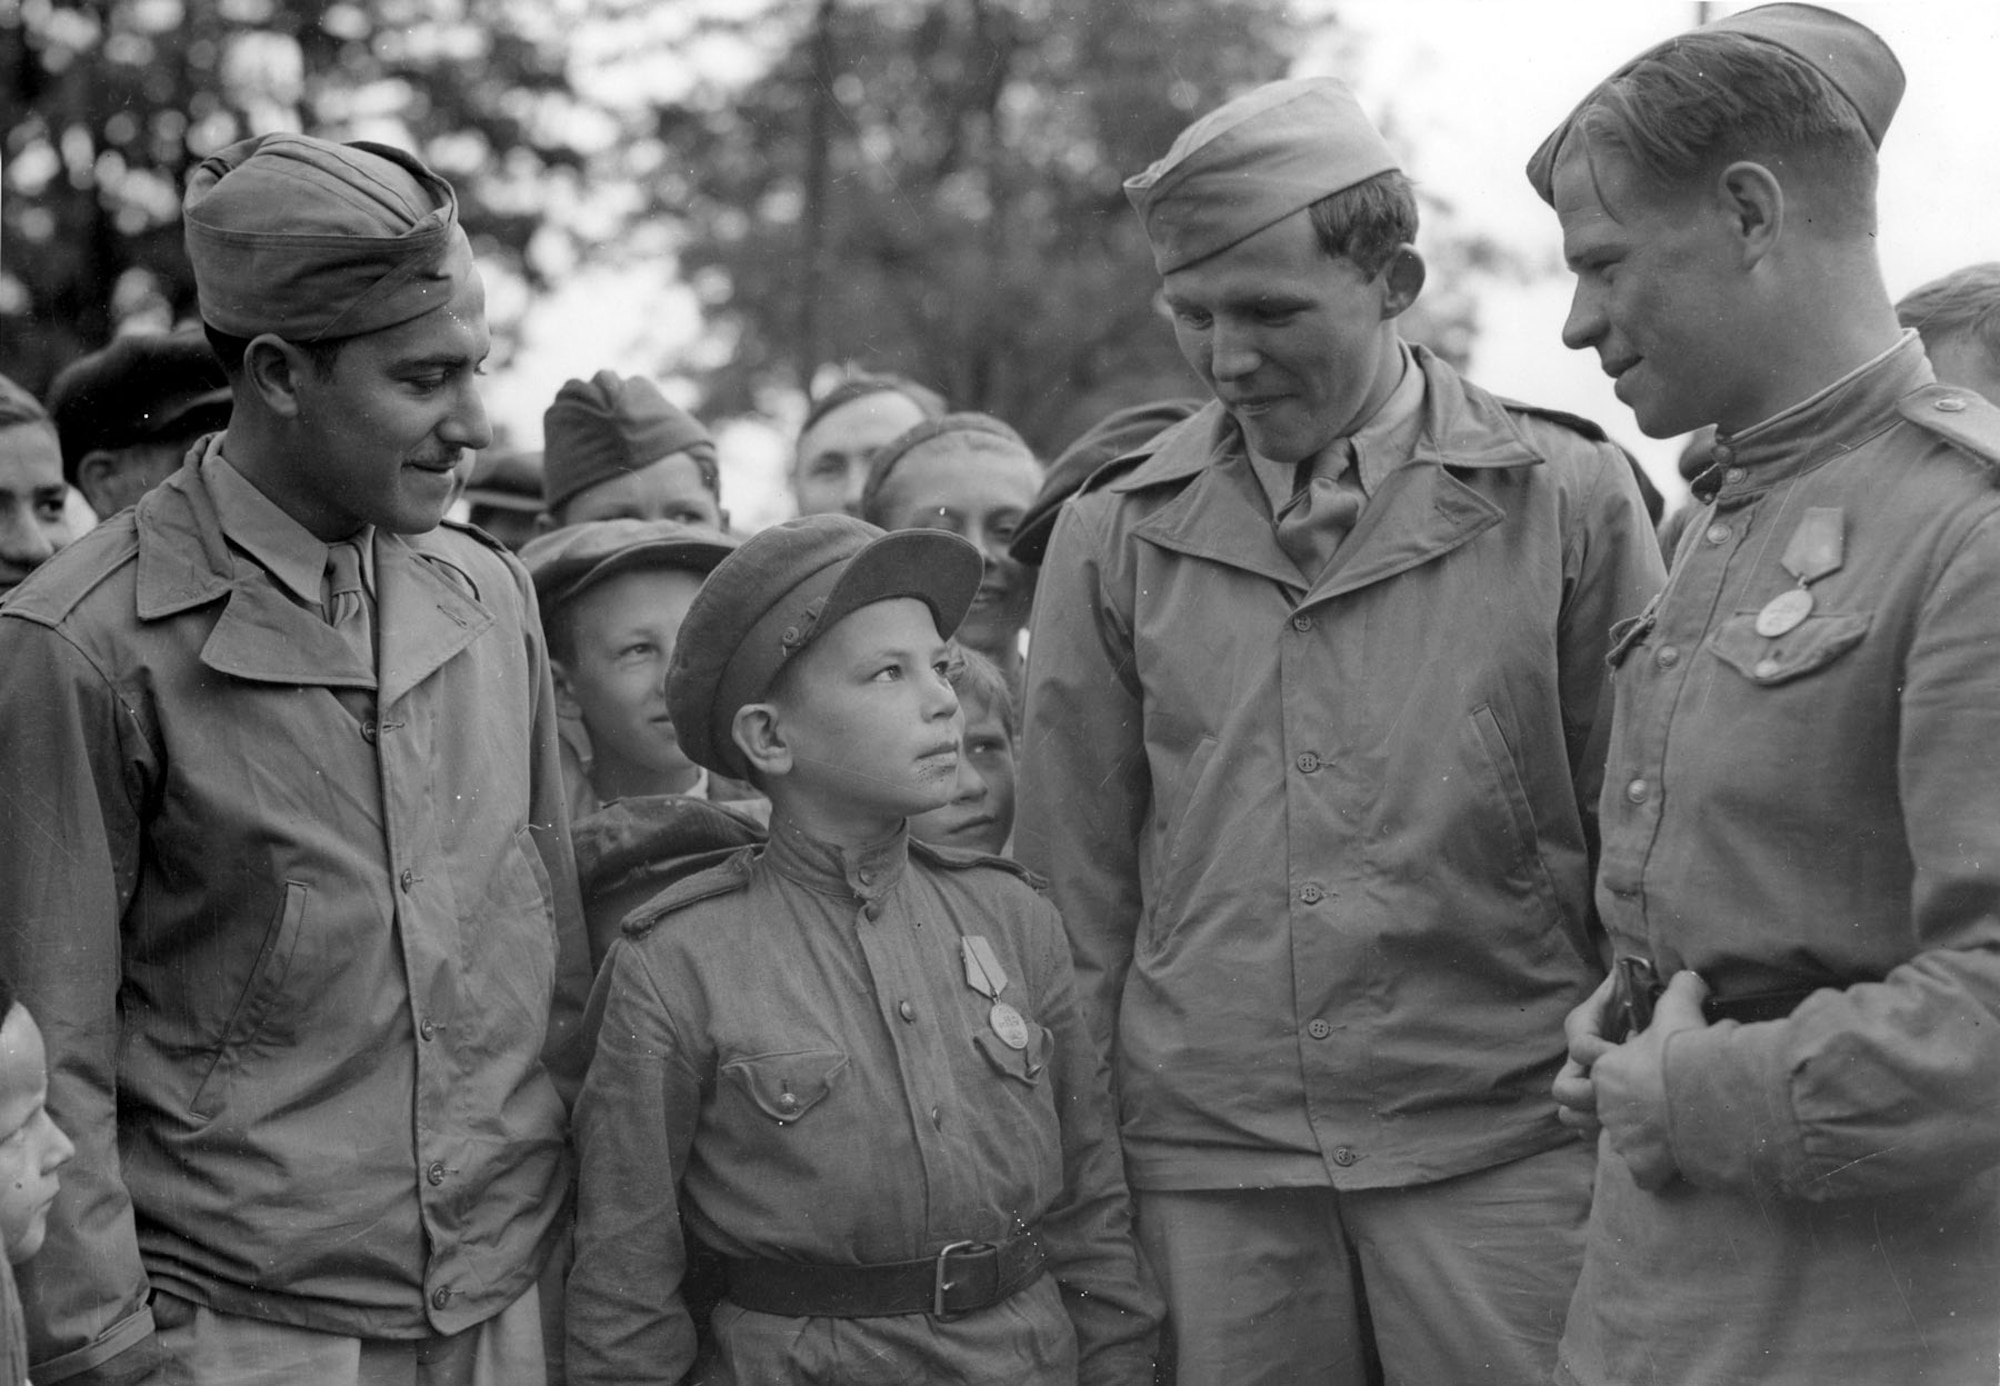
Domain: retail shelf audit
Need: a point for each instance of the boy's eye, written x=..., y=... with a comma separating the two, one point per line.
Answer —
x=986, y=746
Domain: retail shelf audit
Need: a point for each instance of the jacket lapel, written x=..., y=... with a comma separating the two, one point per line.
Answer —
x=422, y=621
x=1421, y=513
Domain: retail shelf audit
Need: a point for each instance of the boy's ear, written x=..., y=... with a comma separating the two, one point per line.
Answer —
x=566, y=703
x=759, y=733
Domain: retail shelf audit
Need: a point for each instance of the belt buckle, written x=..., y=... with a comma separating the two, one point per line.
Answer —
x=940, y=1281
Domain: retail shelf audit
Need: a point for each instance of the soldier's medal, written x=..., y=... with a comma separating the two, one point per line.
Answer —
x=1784, y=612
x=1008, y=1024
x=1815, y=549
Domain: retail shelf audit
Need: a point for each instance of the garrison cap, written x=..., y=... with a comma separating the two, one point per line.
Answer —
x=315, y=241
x=862, y=385
x=1851, y=56
x=968, y=436
x=601, y=428
x=567, y=562
x=143, y=388
x=1112, y=436
x=777, y=593
x=1253, y=162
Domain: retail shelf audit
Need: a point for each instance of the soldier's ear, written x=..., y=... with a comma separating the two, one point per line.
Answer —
x=758, y=731
x=1752, y=202
x=274, y=369
x=1402, y=281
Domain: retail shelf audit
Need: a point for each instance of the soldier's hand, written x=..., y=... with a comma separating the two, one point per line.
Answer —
x=1576, y=1099
x=1631, y=1084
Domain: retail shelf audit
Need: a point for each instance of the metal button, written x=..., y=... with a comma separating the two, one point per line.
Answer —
x=1302, y=623
x=788, y=1100
x=1732, y=475
x=1721, y=455
x=906, y=1010
x=1637, y=791
x=427, y=1031
x=1669, y=656
x=1717, y=534
x=408, y=879
x=871, y=911
x=368, y=731
x=1307, y=762
x=867, y=876
x=1311, y=893
x=435, y=1172
x=1318, y=1029
x=1344, y=1156
x=1766, y=669
x=1950, y=404
x=937, y=1118
x=441, y=1296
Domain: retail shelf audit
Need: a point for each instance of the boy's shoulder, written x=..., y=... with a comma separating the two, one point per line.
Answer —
x=730, y=875
x=971, y=866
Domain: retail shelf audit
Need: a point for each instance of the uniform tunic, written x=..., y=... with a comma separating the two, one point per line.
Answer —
x=790, y=1051
x=1325, y=854
x=296, y=966
x=1817, y=808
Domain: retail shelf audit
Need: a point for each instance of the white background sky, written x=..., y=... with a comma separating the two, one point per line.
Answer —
x=1475, y=85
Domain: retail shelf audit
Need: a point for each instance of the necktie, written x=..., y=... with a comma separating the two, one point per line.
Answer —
x=1318, y=516
x=347, y=602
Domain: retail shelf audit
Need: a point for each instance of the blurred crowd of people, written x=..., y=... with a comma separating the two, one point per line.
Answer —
x=1318, y=881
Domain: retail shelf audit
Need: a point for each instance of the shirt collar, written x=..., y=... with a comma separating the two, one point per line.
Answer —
x=1378, y=447
x=862, y=873
x=1838, y=417
x=255, y=523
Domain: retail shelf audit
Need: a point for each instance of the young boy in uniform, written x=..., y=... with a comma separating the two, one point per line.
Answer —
x=851, y=1065
x=979, y=815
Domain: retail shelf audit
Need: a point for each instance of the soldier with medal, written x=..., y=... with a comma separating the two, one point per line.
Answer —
x=1799, y=1171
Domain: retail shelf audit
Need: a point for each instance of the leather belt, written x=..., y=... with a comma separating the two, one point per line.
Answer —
x=1637, y=986
x=961, y=1278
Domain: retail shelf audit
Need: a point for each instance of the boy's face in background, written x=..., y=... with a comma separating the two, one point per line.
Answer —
x=621, y=640
x=980, y=814
x=669, y=489
x=32, y=1147
x=869, y=717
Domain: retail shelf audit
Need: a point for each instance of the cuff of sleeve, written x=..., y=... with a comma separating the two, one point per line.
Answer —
x=126, y=1352
x=1729, y=1113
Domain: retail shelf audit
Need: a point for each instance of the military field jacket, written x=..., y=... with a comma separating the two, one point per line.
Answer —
x=297, y=968
x=1817, y=806
x=1325, y=854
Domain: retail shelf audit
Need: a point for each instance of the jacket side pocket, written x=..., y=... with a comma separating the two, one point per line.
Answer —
x=265, y=985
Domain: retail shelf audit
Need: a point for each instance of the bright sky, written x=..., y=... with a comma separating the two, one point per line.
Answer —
x=1478, y=83
x=1474, y=86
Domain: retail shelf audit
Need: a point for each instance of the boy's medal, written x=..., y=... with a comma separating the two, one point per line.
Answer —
x=1814, y=551
x=984, y=975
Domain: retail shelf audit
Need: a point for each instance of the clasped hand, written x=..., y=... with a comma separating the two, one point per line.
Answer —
x=1621, y=1089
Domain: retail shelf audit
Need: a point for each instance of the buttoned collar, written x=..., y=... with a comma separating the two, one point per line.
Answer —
x=1836, y=419
x=860, y=873
x=255, y=523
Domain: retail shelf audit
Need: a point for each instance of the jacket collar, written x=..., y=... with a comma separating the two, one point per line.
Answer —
x=1839, y=418
x=861, y=873
x=1420, y=512
x=423, y=620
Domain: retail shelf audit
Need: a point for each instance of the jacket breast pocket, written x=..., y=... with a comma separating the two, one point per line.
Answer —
x=1813, y=644
x=1024, y=1065
x=785, y=1086
x=265, y=985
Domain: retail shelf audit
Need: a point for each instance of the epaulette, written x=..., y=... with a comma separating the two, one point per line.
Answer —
x=467, y=527
x=59, y=585
x=726, y=877
x=1962, y=418
x=1118, y=466
x=1576, y=423
x=964, y=859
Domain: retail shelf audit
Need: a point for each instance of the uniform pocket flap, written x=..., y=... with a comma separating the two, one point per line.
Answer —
x=786, y=1086
x=1023, y=1065
x=1815, y=643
